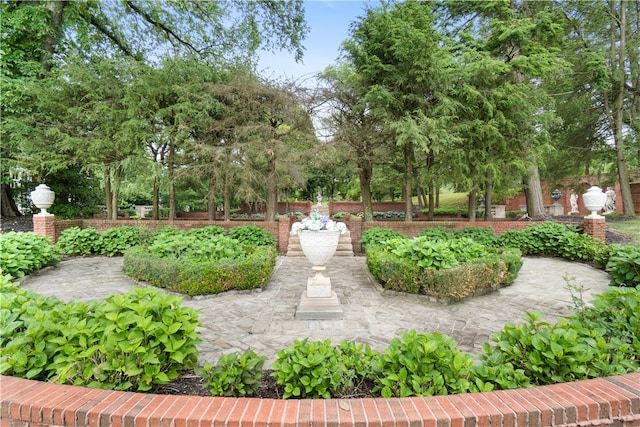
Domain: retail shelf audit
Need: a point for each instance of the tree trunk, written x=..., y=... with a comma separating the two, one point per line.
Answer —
x=533, y=193
x=156, y=199
x=471, y=205
x=172, y=187
x=226, y=199
x=7, y=204
x=408, y=185
x=432, y=199
x=619, y=78
x=115, y=191
x=211, y=199
x=366, y=172
x=107, y=191
x=53, y=33
x=488, y=200
x=272, y=187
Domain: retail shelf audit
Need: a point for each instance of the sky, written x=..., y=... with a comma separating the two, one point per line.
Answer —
x=329, y=22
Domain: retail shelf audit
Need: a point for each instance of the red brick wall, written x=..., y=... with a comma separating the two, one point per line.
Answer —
x=45, y=225
x=280, y=229
x=612, y=401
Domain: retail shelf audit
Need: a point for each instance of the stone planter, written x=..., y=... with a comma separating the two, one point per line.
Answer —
x=319, y=301
x=43, y=198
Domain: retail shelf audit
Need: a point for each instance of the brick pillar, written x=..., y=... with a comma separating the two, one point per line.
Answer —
x=45, y=225
x=595, y=227
x=355, y=227
x=284, y=228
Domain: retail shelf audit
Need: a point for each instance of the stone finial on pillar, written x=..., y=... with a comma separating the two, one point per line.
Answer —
x=44, y=222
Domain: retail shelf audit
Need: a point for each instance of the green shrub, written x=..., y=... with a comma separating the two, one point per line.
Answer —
x=132, y=342
x=79, y=241
x=24, y=253
x=319, y=370
x=422, y=365
x=252, y=235
x=437, y=254
x=234, y=375
x=115, y=241
x=437, y=233
x=552, y=239
x=482, y=235
x=194, y=276
x=194, y=245
x=449, y=270
x=205, y=232
x=567, y=351
x=623, y=264
x=378, y=235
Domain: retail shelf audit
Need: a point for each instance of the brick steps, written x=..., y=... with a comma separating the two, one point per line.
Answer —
x=612, y=401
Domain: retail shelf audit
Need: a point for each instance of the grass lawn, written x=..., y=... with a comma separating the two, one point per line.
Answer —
x=450, y=200
x=630, y=228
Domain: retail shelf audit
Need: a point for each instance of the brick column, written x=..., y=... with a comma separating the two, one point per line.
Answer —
x=595, y=227
x=45, y=225
x=284, y=228
x=355, y=227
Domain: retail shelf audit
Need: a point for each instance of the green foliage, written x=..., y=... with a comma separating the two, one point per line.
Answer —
x=482, y=235
x=623, y=265
x=567, y=351
x=552, y=239
x=319, y=370
x=117, y=240
x=234, y=375
x=195, y=276
x=196, y=244
x=446, y=269
x=437, y=233
x=377, y=236
x=24, y=253
x=131, y=342
x=422, y=365
x=87, y=241
x=438, y=255
x=79, y=241
x=252, y=235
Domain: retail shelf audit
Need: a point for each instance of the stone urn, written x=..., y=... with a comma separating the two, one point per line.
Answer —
x=594, y=200
x=43, y=198
x=319, y=301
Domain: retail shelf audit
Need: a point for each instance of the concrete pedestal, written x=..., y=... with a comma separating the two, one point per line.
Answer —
x=317, y=308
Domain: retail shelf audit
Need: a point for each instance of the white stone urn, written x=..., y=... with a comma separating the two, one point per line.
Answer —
x=43, y=198
x=319, y=301
x=594, y=200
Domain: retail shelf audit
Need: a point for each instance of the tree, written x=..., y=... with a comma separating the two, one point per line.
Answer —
x=398, y=56
x=603, y=44
x=38, y=36
x=353, y=127
x=523, y=34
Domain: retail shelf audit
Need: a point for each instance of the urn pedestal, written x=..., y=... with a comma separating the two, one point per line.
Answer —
x=319, y=301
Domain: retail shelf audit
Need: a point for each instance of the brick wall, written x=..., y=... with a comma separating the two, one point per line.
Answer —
x=280, y=229
x=612, y=401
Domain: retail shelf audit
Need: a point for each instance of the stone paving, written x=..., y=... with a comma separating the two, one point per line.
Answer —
x=264, y=320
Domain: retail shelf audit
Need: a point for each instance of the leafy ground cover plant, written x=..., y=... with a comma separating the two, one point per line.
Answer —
x=317, y=369
x=623, y=264
x=76, y=241
x=422, y=365
x=202, y=261
x=234, y=375
x=252, y=235
x=24, y=253
x=378, y=235
x=134, y=341
x=115, y=241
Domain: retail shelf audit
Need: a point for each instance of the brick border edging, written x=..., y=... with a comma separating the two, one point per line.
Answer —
x=597, y=402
